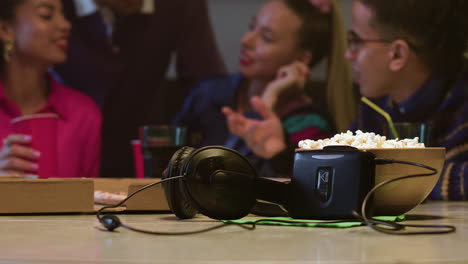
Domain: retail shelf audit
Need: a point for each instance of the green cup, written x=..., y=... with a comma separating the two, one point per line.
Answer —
x=412, y=130
x=159, y=142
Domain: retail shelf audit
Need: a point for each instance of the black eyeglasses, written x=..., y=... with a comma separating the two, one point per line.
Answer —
x=355, y=42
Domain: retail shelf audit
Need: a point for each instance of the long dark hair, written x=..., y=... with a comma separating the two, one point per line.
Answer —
x=323, y=34
x=7, y=14
x=315, y=33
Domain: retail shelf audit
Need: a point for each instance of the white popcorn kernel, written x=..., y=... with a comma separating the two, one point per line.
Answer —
x=363, y=140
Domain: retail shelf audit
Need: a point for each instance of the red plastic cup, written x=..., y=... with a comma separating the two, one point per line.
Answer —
x=43, y=131
x=138, y=159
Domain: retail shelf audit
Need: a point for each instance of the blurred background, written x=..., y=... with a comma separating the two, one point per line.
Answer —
x=231, y=18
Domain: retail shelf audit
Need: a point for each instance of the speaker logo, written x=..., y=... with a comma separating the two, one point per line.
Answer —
x=324, y=183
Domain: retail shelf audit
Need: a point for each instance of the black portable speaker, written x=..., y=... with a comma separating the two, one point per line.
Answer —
x=330, y=183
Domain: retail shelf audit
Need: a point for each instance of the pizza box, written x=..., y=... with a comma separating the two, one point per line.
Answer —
x=151, y=199
x=24, y=196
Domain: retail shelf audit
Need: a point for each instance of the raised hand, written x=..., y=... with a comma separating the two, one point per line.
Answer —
x=291, y=77
x=16, y=157
x=323, y=5
x=264, y=137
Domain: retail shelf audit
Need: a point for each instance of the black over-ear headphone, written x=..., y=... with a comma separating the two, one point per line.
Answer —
x=217, y=182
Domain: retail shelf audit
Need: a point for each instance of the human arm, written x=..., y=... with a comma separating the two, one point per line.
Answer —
x=457, y=172
x=92, y=152
x=92, y=148
x=289, y=79
x=453, y=181
x=273, y=139
x=16, y=157
x=264, y=137
x=323, y=5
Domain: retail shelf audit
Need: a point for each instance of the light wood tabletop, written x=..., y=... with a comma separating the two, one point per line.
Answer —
x=77, y=239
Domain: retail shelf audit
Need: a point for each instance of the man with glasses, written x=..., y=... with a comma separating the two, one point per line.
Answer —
x=408, y=57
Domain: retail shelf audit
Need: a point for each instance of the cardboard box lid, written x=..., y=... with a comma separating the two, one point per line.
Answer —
x=46, y=195
x=57, y=195
x=151, y=199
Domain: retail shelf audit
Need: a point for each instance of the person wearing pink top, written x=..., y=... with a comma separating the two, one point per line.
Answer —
x=34, y=36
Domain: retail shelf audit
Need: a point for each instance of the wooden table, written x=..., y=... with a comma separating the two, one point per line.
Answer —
x=76, y=239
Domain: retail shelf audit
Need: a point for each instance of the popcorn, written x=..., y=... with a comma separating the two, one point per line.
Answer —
x=361, y=140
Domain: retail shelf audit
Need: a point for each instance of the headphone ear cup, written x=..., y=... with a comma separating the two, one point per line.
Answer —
x=219, y=182
x=176, y=199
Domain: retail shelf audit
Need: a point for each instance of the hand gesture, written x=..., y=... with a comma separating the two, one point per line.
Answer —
x=323, y=5
x=16, y=157
x=291, y=77
x=264, y=137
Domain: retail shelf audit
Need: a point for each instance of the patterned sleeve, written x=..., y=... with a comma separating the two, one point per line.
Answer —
x=306, y=126
x=298, y=126
x=453, y=181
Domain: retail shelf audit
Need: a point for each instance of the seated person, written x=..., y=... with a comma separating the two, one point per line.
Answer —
x=119, y=54
x=412, y=65
x=34, y=36
x=285, y=39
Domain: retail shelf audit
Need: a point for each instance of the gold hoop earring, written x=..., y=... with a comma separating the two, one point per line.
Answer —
x=8, y=50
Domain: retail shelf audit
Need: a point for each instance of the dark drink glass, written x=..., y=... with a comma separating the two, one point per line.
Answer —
x=159, y=144
x=412, y=130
